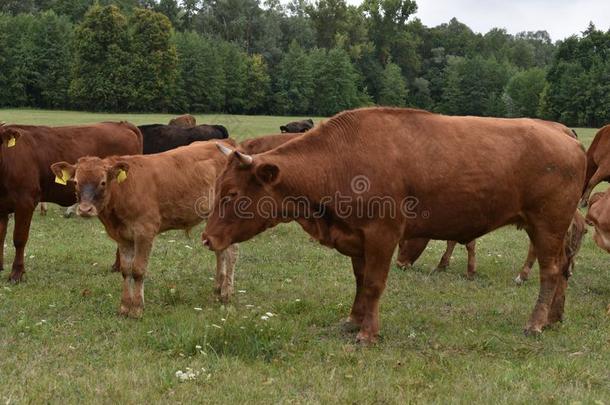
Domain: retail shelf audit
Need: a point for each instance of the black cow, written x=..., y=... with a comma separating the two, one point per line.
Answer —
x=297, y=126
x=160, y=138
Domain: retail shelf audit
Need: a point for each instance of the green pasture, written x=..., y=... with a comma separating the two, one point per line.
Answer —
x=445, y=339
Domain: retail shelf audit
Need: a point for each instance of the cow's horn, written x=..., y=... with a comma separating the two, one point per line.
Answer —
x=245, y=160
x=224, y=149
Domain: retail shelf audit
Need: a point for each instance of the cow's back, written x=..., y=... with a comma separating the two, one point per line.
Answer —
x=265, y=143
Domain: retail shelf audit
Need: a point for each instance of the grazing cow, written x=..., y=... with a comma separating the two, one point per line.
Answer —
x=138, y=197
x=447, y=178
x=160, y=138
x=297, y=126
x=410, y=250
x=25, y=179
x=598, y=162
x=186, y=121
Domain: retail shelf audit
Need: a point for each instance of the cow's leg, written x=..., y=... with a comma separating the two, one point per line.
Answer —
x=143, y=246
x=471, y=247
x=600, y=174
x=116, y=266
x=126, y=252
x=409, y=251
x=377, y=260
x=43, y=208
x=527, y=266
x=446, y=259
x=3, y=229
x=354, y=320
x=23, y=219
x=230, y=259
x=549, y=249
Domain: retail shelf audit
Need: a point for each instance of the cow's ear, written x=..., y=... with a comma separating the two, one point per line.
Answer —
x=9, y=137
x=64, y=172
x=267, y=173
x=118, y=171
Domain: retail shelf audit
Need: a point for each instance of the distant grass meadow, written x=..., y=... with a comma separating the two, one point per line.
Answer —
x=444, y=339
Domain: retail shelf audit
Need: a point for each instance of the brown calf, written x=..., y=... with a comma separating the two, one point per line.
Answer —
x=138, y=197
x=25, y=179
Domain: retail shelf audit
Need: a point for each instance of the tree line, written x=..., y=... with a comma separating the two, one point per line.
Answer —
x=244, y=56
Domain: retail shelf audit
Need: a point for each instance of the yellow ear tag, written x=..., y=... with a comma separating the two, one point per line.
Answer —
x=122, y=176
x=65, y=176
x=11, y=142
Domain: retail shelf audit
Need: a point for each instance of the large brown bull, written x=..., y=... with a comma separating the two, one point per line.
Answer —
x=367, y=178
x=26, y=178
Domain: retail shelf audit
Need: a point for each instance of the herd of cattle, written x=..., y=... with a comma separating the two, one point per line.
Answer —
x=463, y=176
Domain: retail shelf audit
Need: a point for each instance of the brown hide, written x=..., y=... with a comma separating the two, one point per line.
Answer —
x=264, y=143
x=599, y=216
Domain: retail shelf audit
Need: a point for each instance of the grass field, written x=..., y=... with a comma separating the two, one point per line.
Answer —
x=444, y=339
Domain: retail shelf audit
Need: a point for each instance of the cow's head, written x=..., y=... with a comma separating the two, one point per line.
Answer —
x=92, y=178
x=599, y=217
x=244, y=202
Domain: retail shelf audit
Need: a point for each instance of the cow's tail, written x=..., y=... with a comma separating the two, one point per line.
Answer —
x=225, y=133
x=136, y=131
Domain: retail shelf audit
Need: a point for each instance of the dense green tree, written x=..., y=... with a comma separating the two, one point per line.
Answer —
x=154, y=59
x=334, y=82
x=235, y=62
x=257, y=85
x=102, y=73
x=201, y=78
x=294, y=87
x=394, y=90
x=523, y=91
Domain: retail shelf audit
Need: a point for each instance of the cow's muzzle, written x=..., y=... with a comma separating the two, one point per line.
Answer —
x=86, y=210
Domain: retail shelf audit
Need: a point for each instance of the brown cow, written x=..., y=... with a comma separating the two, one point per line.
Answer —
x=598, y=163
x=367, y=178
x=264, y=143
x=599, y=217
x=25, y=178
x=186, y=121
x=410, y=250
x=138, y=197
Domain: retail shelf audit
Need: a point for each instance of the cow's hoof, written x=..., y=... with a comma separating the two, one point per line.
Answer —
x=403, y=265
x=366, y=339
x=224, y=298
x=519, y=280
x=350, y=325
x=470, y=276
x=532, y=330
x=123, y=310
x=136, y=312
x=15, y=278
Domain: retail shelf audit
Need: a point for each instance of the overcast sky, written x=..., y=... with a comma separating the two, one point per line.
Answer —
x=561, y=18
